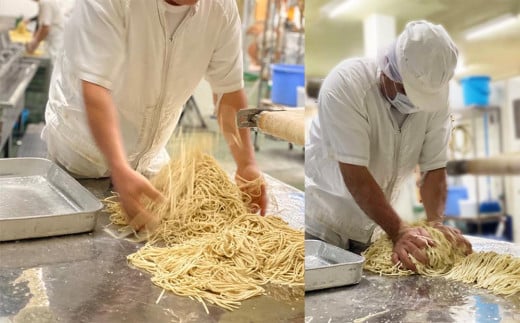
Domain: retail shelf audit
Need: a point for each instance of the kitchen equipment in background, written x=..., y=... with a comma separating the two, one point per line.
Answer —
x=313, y=87
x=490, y=205
x=16, y=73
x=301, y=96
x=286, y=79
x=468, y=208
x=294, y=50
x=455, y=194
x=476, y=90
x=286, y=124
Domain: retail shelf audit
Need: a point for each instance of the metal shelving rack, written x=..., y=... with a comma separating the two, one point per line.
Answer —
x=273, y=25
x=474, y=114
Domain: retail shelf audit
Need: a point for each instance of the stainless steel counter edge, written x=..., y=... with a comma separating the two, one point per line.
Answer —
x=415, y=298
x=86, y=278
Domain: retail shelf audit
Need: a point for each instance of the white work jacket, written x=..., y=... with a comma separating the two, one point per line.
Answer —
x=354, y=125
x=50, y=14
x=123, y=45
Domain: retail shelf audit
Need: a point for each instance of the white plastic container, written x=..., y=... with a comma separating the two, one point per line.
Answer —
x=468, y=208
x=301, y=96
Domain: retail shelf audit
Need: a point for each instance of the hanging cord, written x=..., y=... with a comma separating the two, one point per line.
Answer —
x=460, y=141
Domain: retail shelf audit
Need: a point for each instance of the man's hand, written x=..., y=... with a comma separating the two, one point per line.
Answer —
x=239, y=141
x=258, y=194
x=132, y=187
x=454, y=236
x=411, y=241
x=30, y=47
x=371, y=199
x=40, y=35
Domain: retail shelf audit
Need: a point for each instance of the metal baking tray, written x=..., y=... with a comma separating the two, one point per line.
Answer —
x=39, y=199
x=328, y=266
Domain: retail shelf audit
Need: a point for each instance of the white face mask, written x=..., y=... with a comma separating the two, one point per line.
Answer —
x=401, y=102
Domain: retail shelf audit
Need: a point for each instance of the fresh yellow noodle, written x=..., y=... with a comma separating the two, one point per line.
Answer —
x=208, y=245
x=500, y=273
x=441, y=258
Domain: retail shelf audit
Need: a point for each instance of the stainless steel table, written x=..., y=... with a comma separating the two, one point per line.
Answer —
x=15, y=75
x=86, y=278
x=415, y=299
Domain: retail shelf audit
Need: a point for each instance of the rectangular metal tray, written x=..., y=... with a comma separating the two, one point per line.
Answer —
x=328, y=266
x=39, y=199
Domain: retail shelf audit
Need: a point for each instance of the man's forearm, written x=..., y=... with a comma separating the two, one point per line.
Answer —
x=239, y=140
x=41, y=34
x=103, y=123
x=433, y=194
x=370, y=198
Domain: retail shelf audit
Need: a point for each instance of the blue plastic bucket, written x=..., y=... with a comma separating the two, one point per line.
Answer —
x=286, y=79
x=475, y=90
x=455, y=193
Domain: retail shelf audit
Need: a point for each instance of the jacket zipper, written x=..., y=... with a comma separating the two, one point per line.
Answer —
x=397, y=151
x=166, y=66
x=396, y=162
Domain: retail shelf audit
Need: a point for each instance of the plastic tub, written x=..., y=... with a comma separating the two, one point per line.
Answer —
x=468, y=208
x=286, y=79
x=455, y=193
x=475, y=90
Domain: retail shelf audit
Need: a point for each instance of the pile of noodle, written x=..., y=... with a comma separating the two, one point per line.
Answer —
x=208, y=246
x=499, y=273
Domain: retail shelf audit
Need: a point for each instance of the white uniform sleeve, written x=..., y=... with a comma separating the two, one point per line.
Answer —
x=45, y=13
x=225, y=70
x=95, y=42
x=343, y=121
x=435, y=147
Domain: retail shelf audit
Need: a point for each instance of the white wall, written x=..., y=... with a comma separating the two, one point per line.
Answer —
x=512, y=144
x=15, y=8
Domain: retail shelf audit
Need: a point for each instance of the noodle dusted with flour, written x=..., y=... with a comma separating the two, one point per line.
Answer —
x=442, y=257
x=208, y=245
x=500, y=273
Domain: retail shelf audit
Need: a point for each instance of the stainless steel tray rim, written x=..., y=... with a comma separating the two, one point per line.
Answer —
x=39, y=199
x=51, y=215
x=337, y=265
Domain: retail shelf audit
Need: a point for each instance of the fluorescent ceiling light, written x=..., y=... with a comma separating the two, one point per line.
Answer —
x=336, y=8
x=491, y=26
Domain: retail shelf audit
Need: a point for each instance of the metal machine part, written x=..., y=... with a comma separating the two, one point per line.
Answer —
x=248, y=118
x=286, y=124
x=498, y=165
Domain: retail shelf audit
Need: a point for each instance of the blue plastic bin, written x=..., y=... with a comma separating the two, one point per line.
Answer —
x=286, y=79
x=19, y=128
x=475, y=90
x=455, y=193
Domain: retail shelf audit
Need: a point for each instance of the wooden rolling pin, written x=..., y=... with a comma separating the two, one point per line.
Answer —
x=288, y=124
x=506, y=164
